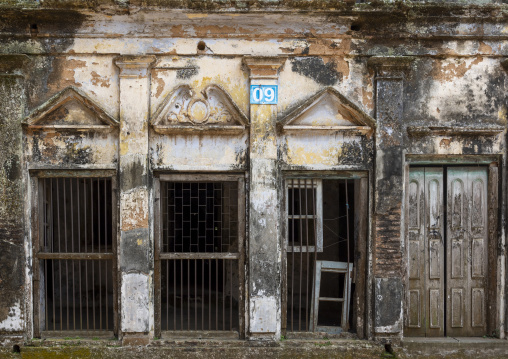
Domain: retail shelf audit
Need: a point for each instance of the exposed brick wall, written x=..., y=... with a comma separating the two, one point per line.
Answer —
x=387, y=253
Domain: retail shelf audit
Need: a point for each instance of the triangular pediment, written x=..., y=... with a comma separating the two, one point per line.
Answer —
x=186, y=110
x=70, y=110
x=328, y=110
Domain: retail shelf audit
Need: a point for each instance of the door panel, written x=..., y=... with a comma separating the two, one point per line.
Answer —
x=415, y=302
x=457, y=308
x=425, y=301
x=467, y=251
x=434, y=251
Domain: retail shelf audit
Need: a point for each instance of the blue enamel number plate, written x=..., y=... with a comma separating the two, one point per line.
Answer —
x=263, y=94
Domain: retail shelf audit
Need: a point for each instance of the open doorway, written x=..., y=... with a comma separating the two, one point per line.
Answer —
x=325, y=236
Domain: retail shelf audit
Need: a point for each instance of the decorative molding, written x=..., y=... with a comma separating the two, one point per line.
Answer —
x=330, y=102
x=264, y=67
x=418, y=131
x=47, y=118
x=211, y=110
x=390, y=67
x=134, y=67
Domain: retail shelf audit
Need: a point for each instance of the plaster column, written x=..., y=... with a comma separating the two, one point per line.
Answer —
x=264, y=250
x=389, y=178
x=12, y=110
x=134, y=246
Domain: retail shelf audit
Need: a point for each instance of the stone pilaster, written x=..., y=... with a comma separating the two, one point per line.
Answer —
x=264, y=296
x=12, y=253
x=134, y=248
x=390, y=134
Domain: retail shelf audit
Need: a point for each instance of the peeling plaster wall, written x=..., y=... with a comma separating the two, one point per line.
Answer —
x=67, y=149
x=325, y=152
x=455, y=79
x=12, y=258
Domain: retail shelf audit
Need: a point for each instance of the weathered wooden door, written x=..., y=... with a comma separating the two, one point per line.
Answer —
x=425, y=298
x=467, y=258
x=447, y=251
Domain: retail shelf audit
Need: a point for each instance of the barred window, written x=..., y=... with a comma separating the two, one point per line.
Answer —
x=75, y=262
x=200, y=256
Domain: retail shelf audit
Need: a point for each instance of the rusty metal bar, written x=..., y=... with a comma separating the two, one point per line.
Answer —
x=66, y=264
x=79, y=250
x=200, y=255
x=72, y=263
x=300, y=241
x=209, y=294
x=203, y=294
x=100, y=294
x=174, y=292
x=105, y=222
x=292, y=189
x=224, y=295
x=307, y=254
x=91, y=214
x=60, y=290
x=46, y=230
x=86, y=295
x=52, y=230
x=75, y=256
x=93, y=293
x=188, y=294
x=98, y=216
x=314, y=209
x=181, y=293
x=52, y=264
x=58, y=215
x=231, y=296
x=203, y=178
x=105, y=249
x=86, y=250
x=195, y=296
x=167, y=294
x=346, y=306
x=216, y=294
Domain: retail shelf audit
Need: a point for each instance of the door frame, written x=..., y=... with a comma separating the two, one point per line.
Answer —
x=363, y=254
x=496, y=257
x=240, y=178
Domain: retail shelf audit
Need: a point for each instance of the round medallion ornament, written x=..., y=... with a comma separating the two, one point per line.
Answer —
x=198, y=111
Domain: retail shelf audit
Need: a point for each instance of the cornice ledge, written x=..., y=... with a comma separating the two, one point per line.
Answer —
x=420, y=131
x=390, y=66
x=264, y=67
x=392, y=61
x=132, y=66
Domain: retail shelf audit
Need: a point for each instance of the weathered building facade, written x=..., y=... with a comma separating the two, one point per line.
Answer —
x=148, y=192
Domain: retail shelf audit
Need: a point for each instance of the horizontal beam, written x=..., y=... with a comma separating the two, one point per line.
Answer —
x=76, y=256
x=199, y=256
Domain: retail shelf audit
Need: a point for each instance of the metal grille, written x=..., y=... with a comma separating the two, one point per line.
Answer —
x=319, y=254
x=76, y=254
x=199, y=259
